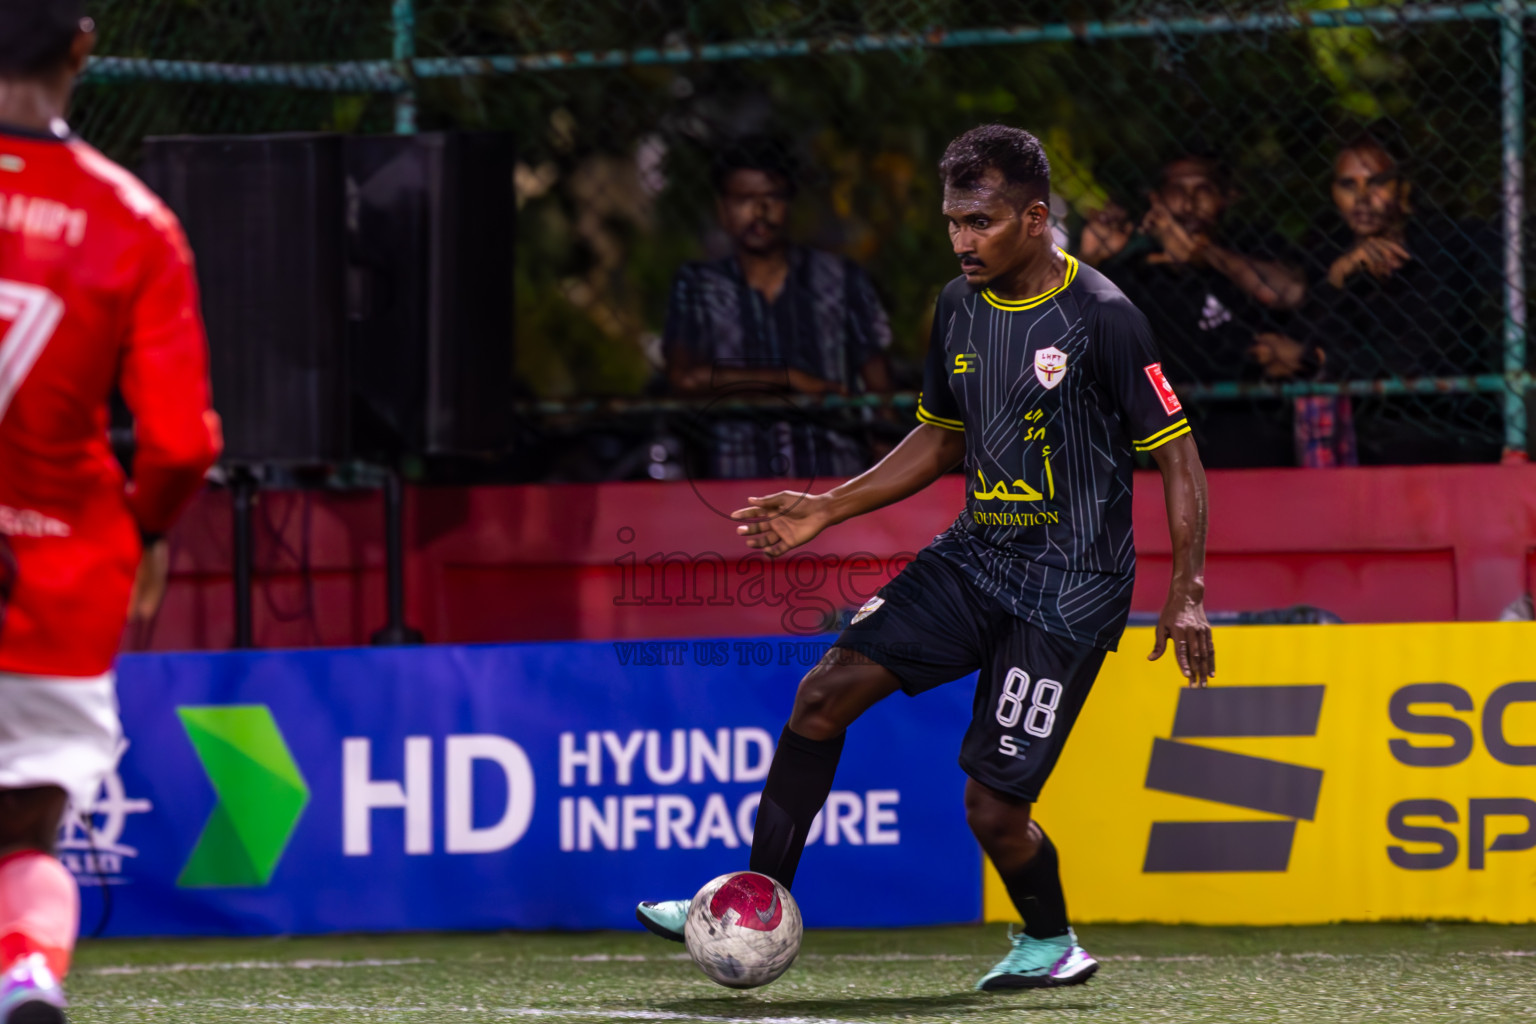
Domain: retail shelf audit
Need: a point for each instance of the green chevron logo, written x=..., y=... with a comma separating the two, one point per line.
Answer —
x=261, y=795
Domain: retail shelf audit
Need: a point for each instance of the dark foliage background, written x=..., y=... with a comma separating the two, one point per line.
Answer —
x=612, y=184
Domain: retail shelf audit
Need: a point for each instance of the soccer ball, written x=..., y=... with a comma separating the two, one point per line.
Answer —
x=743, y=929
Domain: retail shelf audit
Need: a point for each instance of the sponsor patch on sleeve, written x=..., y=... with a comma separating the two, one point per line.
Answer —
x=1164, y=390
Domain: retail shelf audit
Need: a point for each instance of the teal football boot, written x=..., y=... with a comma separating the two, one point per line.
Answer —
x=1040, y=963
x=664, y=917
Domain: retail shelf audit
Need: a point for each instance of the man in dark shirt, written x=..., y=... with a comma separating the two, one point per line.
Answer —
x=1043, y=380
x=775, y=315
x=1206, y=296
x=1399, y=296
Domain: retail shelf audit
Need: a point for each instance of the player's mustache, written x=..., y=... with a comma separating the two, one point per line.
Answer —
x=971, y=261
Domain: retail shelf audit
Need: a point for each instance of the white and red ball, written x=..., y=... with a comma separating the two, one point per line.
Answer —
x=743, y=929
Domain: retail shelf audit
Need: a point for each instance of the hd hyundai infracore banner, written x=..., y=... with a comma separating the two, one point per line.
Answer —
x=1336, y=773
x=534, y=786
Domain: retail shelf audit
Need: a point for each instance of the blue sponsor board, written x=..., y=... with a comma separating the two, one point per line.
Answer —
x=522, y=786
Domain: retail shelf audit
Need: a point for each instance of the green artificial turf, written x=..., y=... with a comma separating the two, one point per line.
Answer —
x=1387, y=973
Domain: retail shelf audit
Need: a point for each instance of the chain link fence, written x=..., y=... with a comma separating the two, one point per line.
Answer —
x=1408, y=348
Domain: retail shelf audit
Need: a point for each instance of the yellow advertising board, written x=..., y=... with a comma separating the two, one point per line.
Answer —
x=1330, y=773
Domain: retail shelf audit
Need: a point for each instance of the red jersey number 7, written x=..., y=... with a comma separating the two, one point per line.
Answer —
x=34, y=313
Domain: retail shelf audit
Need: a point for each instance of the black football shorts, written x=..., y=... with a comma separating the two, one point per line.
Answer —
x=930, y=625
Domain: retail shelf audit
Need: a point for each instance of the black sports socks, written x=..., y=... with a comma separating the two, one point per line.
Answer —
x=1035, y=890
x=798, y=783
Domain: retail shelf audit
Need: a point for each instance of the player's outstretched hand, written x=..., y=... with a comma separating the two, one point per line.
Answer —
x=782, y=521
x=1183, y=621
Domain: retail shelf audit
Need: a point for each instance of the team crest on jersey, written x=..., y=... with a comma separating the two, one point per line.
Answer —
x=1050, y=366
x=870, y=607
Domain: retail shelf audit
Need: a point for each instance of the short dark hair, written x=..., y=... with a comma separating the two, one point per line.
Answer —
x=1373, y=139
x=36, y=35
x=752, y=154
x=1012, y=152
x=1215, y=167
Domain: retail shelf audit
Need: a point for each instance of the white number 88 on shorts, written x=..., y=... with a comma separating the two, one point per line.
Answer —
x=1041, y=717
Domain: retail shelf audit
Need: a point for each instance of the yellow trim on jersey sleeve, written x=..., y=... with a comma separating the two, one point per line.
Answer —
x=1010, y=306
x=924, y=416
x=1163, y=436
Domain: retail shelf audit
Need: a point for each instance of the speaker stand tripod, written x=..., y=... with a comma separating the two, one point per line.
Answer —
x=395, y=632
x=242, y=488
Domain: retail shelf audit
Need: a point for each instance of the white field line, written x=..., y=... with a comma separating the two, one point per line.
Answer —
x=875, y=958
x=1132, y=958
x=1208, y=958
x=512, y=1012
x=250, y=965
x=604, y=958
x=628, y=958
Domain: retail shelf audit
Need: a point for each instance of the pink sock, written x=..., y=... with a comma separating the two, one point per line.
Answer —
x=39, y=909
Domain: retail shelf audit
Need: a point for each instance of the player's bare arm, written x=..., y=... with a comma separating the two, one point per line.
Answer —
x=150, y=581
x=1183, y=617
x=785, y=520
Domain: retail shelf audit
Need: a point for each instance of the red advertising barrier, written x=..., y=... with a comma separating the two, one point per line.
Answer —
x=635, y=560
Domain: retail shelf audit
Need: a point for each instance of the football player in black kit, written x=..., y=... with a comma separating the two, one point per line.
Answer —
x=1045, y=380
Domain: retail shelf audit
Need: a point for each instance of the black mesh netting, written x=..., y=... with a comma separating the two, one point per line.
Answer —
x=613, y=185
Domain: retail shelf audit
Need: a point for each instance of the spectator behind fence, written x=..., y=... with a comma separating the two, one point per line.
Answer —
x=775, y=315
x=1396, y=294
x=1206, y=295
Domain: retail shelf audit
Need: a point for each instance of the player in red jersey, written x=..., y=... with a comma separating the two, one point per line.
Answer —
x=96, y=292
